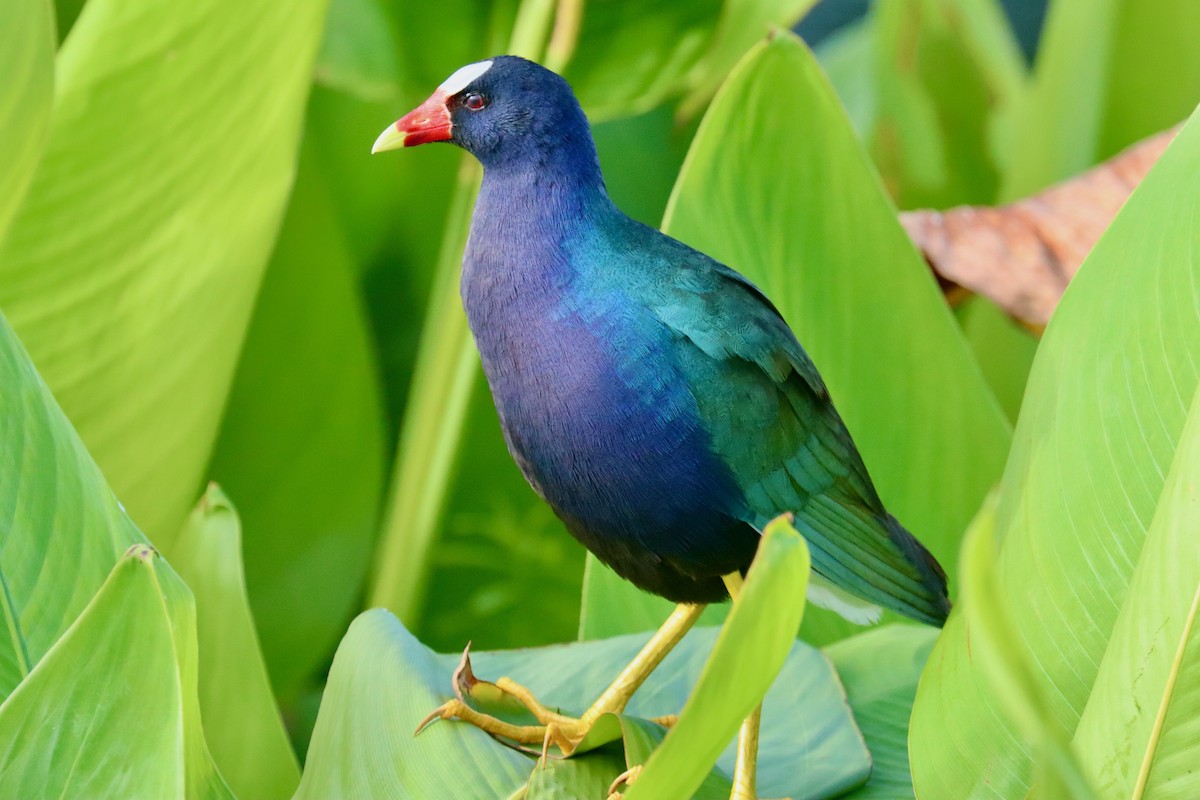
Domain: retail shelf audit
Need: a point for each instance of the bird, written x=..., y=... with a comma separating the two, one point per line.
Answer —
x=653, y=397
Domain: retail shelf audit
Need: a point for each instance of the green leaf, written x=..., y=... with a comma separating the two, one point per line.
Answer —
x=1102, y=420
x=880, y=669
x=777, y=186
x=1137, y=735
x=589, y=775
x=946, y=71
x=132, y=266
x=633, y=56
x=359, y=50
x=847, y=57
x=446, y=370
x=111, y=711
x=303, y=440
x=384, y=682
x=1109, y=72
x=997, y=648
x=1003, y=349
x=741, y=25
x=241, y=721
x=27, y=46
x=61, y=527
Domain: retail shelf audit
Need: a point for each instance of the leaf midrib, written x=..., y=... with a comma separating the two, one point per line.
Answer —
x=1139, y=788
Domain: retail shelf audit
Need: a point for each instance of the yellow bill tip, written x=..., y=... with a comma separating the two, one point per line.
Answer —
x=390, y=139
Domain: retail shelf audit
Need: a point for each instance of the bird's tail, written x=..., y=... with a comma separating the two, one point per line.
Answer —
x=933, y=605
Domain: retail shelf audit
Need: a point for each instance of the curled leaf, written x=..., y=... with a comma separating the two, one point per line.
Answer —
x=1023, y=255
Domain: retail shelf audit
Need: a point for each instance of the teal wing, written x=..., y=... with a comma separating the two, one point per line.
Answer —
x=772, y=421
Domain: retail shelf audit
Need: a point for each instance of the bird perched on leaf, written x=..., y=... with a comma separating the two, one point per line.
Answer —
x=653, y=397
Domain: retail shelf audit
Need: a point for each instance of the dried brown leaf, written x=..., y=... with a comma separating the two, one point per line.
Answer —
x=1023, y=255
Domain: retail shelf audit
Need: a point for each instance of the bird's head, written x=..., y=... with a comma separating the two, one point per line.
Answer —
x=503, y=110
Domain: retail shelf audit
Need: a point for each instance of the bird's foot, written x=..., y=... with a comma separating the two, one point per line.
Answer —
x=596, y=726
x=626, y=778
x=506, y=696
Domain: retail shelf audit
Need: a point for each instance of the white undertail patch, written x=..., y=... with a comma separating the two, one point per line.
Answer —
x=464, y=77
x=853, y=609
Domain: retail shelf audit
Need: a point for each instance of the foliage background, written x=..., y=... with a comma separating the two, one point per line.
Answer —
x=217, y=283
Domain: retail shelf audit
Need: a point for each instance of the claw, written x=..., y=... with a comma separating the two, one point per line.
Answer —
x=627, y=778
x=447, y=710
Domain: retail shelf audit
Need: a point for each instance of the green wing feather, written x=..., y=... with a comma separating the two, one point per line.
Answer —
x=772, y=421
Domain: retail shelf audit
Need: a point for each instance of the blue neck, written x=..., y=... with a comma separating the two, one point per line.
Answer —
x=531, y=216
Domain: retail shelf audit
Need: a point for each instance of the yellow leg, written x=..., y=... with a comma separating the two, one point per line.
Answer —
x=745, y=769
x=567, y=732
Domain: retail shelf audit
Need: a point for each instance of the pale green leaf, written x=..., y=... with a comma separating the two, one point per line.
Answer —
x=27, y=46
x=1099, y=428
x=132, y=266
x=241, y=722
x=1138, y=733
x=56, y=511
x=112, y=711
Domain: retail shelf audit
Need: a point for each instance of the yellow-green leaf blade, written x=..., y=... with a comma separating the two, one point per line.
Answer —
x=131, y=268
x=27, y=46
x=1138, y=733
x=241, y=721
x=110, y=711
x=1102, y=419
x=56, y=511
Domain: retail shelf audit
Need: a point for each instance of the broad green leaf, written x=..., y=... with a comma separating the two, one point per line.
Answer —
x=384, y=682
x=585, y=776
x=1004, y=661
x=132, y=266
x=880, y=669
x=1137, y=736
x=359, y=51
x=945, y=71
x=1003, y=349
x=1109, y=72
x=848, y=59
x=752, y=647
x=777, y=186
x=1099, y=428
x=241, y=722
x=303, y=440
x=27, y=61
x=61, y=527
x=112, y=710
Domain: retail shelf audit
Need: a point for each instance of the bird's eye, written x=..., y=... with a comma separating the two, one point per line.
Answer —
x=474, y=101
